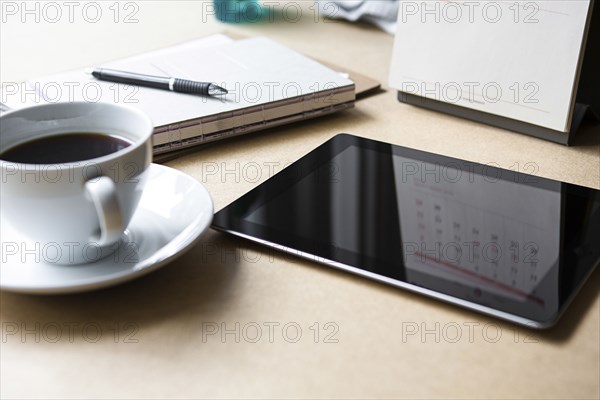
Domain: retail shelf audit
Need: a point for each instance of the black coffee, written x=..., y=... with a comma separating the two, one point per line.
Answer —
x=64, y=148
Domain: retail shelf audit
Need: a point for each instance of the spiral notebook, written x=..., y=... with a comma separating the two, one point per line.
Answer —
x=269, y=85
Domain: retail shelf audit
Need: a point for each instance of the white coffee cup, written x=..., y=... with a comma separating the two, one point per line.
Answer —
x=74, y=212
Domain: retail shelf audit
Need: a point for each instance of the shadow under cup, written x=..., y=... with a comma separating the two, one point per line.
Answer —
x=72, y=212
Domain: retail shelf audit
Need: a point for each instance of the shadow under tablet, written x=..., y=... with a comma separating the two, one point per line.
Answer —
x=504, y=243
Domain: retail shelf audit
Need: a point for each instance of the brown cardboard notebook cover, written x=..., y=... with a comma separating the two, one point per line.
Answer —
x=363, y=84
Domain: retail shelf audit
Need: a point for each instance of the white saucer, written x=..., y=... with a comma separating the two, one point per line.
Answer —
x=173, y=212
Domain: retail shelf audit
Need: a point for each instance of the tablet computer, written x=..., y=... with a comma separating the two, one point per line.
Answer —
x=502, y=242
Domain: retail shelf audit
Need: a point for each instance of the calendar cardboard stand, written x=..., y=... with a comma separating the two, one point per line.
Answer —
x=587, y=103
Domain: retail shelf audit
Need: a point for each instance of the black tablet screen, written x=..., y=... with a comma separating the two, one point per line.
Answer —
x=501, y=241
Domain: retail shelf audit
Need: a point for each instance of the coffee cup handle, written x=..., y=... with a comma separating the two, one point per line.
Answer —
x=102, y=191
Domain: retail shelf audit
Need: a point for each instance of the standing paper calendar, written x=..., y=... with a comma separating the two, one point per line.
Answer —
x=527, y=66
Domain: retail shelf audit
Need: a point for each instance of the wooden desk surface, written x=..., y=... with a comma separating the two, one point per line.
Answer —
x=323, y=333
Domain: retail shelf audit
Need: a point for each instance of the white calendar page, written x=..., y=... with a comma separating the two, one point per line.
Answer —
x=516, y=59
x=500, y=236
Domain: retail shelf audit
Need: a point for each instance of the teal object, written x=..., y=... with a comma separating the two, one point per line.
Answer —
x=238, y=11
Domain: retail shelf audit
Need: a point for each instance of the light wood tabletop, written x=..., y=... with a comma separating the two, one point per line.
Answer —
x=231, y=319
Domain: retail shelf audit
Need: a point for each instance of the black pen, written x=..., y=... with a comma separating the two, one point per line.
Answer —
x=158, y=82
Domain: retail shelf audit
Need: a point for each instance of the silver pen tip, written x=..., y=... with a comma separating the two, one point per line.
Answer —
x=215, y=90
